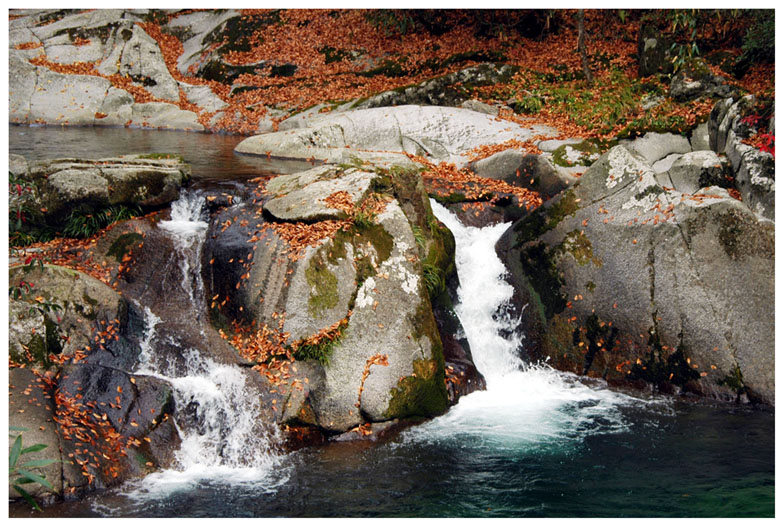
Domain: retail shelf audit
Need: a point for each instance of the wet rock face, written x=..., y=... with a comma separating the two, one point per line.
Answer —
x=619, y=269
x=79, y=342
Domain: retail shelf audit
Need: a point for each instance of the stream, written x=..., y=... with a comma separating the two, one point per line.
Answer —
x=537, y=442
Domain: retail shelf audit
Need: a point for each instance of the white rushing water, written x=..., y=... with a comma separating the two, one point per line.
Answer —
x=217, y=412
x=187, y=227
x=524, y=404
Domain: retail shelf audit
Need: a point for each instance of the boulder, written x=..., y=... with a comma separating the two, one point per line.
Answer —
x=754, y=169
x=694, y=80
x=632, y=282
x=65, y=185
x=72, y=385
x=654, y=146
x=653, y=52
x=446, y=134
x=696, y=170
x=366, y=276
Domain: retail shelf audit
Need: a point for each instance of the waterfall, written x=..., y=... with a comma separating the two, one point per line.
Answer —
x=524, y=404
x=188, y=227
x=217, y=412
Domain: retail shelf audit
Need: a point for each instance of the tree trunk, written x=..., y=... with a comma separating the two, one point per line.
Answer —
x=581, y=46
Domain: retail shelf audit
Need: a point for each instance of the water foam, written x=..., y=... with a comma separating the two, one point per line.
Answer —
x=524, y=404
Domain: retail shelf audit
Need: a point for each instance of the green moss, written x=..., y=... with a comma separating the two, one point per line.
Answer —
x=539, y=266
x=587, y=149
x=590, y=286
x=160, y=155
x=123, y=244
x=324, y=287
x=422, y=394
x=455, y=197
x=321, y=351
x=734, y=380
x=544, y=219
x=578, y=245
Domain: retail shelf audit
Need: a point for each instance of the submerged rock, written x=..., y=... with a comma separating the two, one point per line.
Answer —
x=627, y=280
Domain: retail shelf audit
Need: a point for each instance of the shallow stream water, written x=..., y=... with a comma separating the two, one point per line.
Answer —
x=536, y=443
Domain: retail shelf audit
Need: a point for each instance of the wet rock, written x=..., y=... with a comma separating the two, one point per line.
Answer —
x=618, y=269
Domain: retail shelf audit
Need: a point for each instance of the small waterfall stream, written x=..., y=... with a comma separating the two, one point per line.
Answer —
x=217, y=412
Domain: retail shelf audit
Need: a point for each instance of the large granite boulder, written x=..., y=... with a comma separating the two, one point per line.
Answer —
x=444, y=134
x=367, y=264
x=632, y=282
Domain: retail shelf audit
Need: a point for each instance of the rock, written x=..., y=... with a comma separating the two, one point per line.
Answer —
x=446, y=90
x=80, y=383
x=479, y=106
x=535, y=172
x=754, y=170
x=655, y=146
x=165, y=116
x=194, y=30
x=663, y=165
x=700, y=138
x=653, y=51
x=64, y=185
x=618, y=270
x=695, y=170
x=368, y=279
x=442, y=133
x=694, y=80
x=29, y=408
x=307, y=202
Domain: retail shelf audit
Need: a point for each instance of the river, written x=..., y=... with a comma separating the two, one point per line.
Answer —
x=536, y=443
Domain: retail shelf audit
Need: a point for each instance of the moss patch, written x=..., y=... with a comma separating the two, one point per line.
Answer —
x=422, y=394
x=324, y=287
x=578, y=245
x=544, y=219
x=539, y=266
x=123, y=244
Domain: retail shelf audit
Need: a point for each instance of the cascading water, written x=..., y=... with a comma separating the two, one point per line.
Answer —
x=217, y=413
x=188, y=227
x=523, y=403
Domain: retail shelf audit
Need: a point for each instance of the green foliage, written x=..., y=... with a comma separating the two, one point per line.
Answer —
x=21, y=202
x=759, y=44
x=393, y=22
x=81, y=224
x=363, y=220
x=435, y=280
x=419, y=236
x=27, y=472
x=684, y=21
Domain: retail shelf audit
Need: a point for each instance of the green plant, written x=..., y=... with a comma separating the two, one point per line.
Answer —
x=363, y=220
x=434, y=279
x=419, y=236
x=24, y=473
x=759, y=44
x=81, y=224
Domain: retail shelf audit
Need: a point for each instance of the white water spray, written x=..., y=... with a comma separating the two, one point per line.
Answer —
x=218, y=412
x=523, y=404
